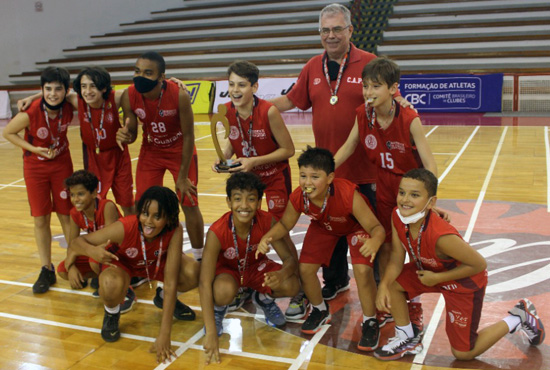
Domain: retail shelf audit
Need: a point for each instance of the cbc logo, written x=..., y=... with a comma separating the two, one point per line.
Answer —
x=416, y=99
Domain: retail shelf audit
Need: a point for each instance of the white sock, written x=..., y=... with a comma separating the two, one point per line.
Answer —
x=113, y=310
x=321, y=307
x=415, y=299
x=219, y=308
x=408, y=329
x=365, y=318
x=512, y=322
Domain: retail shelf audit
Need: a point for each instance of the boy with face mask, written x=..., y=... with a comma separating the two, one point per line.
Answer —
x=46, y=163
x=441, y=262
x=168, y=140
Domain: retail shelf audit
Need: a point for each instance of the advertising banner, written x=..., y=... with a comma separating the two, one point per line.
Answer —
x=453, y=92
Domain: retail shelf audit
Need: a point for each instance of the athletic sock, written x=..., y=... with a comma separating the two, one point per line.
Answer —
x=113, y=310
x=408, y=329
x=365, y=318
x=321, y=307
x=512, y=322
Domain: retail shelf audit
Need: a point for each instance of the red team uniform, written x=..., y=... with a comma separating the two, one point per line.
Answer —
x=44, y=178
x=333, y=123
x=392, y=152
x=130, y=252
x=254, y=269
x=463, y=298
x=162, y=142
x=276, y=176
x=327, y=227
x=79, y=218
x=103, y=156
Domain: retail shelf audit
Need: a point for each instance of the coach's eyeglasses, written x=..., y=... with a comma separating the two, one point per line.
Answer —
x=336, y=30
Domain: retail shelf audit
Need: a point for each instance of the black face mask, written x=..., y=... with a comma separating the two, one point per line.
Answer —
x=144, y=85
x=53, y=107
x=333, y=69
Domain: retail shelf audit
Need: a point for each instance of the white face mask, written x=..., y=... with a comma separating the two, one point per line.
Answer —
x=407, y=220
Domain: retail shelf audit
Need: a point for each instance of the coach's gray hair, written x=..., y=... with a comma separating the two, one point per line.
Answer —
x=333, y=9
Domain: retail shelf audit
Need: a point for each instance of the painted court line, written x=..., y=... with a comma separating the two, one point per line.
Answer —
x=451, y=165
x=434, y=321
x=547, y=145
x=182, y=349
x=308, y=351
x=12, y=183
x=432, y=130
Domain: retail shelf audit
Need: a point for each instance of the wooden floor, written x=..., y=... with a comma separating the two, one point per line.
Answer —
x=493, y=182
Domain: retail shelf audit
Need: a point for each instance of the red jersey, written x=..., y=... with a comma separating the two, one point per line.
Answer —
x=337, y=217
x=102, y=134
x=228, y=256
x=130, y=252
x=389, y=148
x=333, y=123
x=434, y=228
x=98, y=222
x=160, y=117
x=47, y=132
x=263, y=141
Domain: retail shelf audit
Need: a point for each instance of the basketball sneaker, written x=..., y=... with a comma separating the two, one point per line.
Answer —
x=129, y=301
x=531, y=324
x=400, y=345
x=330, y=291
x=45, y=280
x=416, y=315
x=383, y=318
x=109, y=330
x=218, y=318
x=297, y=308
x=181, y=311
x=273, y=314
x=243, y=295
x=370, y=335
x=315, y=320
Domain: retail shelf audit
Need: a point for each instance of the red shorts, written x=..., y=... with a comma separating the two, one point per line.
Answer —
x=152, y=164
x=319, y=243
x=82, y=263
x=45, y=183
x=277, y=192
x=387, y=187
x=253, y=275
x=140, y=271
x=463, y=309
x=113, y=168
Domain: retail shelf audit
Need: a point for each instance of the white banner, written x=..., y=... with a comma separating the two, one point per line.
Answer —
x=268, y=88
x=5, y=108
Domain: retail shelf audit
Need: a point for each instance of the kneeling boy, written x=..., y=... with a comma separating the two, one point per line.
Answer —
x=441, y=262
x=230, y=261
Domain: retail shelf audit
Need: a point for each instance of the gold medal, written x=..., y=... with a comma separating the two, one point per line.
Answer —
x=96, y=150
x=333, y=99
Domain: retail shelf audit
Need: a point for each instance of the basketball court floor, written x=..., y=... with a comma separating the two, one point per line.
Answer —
x=493, y=174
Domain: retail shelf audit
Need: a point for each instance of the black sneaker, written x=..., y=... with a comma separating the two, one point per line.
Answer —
x=315, y=320
x=45, y=279
x=94, y=283
x=129, y=301
x=137, y=281
x=109, y=330
x=330, y=291
x=181, y=311
x=370, y=335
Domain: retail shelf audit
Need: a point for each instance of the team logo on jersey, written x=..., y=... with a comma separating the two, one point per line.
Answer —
x=109, y=117
x=354, y=240
x=42, y=132
x=370, y=141
x=262, y=266
x=132, y=252
x=234, y=133
x=317, y=81
x=271, y=204
x=230, y=253
x=140, y=113
x=395, y=145
x=457, y=318
x=63, y=194
x=168, y=112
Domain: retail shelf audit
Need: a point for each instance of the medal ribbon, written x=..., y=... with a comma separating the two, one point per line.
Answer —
x=416, y=256
x=55, y=140
x=96, y=137
x=340, y=72
x=249, y=149
x=144, y=251
x=242, y=267
x=306, y=202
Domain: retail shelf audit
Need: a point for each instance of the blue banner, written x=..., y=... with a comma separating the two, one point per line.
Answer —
x=453, y=92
